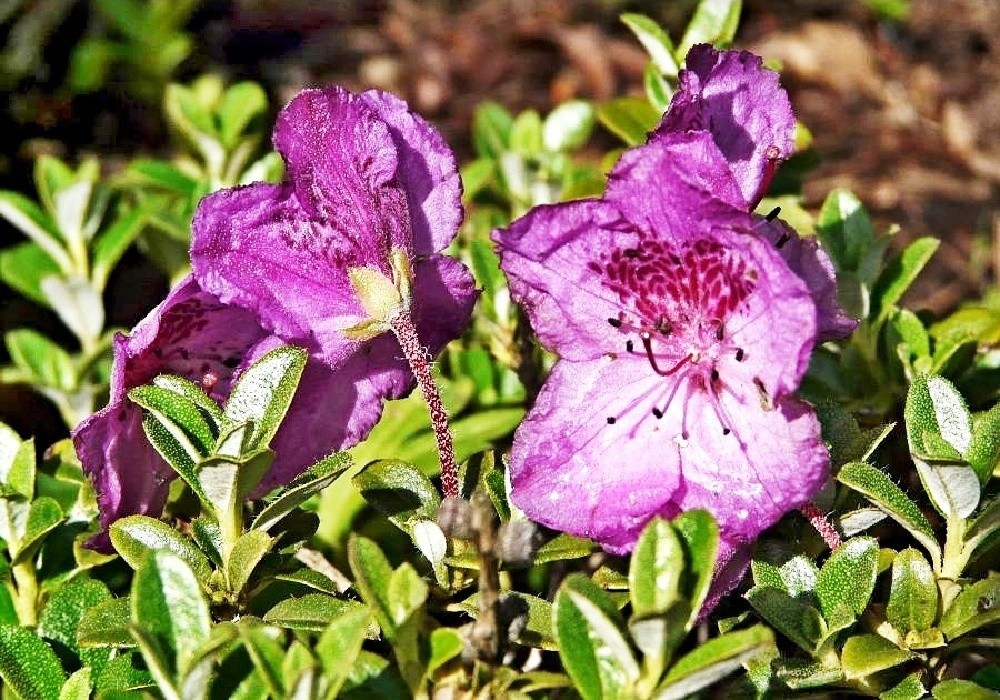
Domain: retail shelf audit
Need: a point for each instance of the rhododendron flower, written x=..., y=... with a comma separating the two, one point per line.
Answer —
x=331, y=258
x=682, y=334
x=190, y=334
x=733, y=98
x=345, y=250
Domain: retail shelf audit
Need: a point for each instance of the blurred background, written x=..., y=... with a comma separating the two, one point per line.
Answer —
x=902, y=99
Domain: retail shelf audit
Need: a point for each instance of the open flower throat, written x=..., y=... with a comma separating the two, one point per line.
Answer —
x=677, y=303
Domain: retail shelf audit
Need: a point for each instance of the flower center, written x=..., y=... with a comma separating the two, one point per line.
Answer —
x=676, y=303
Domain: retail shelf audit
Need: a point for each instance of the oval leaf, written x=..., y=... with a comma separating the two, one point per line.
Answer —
x=137, y=535
x=913, y=596
x=28, y=665
x=263, y=393
x=655, y=570
x=847, y=579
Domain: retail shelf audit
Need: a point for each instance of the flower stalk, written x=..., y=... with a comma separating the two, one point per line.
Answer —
x=416, y=355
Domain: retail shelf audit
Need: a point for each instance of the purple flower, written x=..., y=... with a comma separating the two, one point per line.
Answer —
x=326, y=261
x=682, y=334
x=730, y=96
x=190, y=334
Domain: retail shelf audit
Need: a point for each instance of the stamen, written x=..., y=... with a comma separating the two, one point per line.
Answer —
x=739, y=354
x=725, y=430
x=611, y=420
x=715, y=375
x=664, y=326
x=629, y=346
x=782, y=240
x=657, y=412
x=647, y=345
x=773, y=214
x=719, y=332
x=615, y=322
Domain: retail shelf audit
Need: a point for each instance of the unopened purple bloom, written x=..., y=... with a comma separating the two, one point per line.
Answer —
x=190, y=334
x=682, y=334
x=326, y=259
x=732, y=97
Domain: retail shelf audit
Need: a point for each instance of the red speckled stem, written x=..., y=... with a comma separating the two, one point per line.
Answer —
x=823, y=526
x=416, y=355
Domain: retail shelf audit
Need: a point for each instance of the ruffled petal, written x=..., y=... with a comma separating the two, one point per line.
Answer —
x=443, y=298
x=732, y=96
x=773, y=461
x=341, y=159
x=427, y=172
x=547, y=256
x=813, y=265
x=254, y=247
x=573, y=470
x=730, y=568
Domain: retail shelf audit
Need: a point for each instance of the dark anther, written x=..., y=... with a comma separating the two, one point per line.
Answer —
x=773, y=214
x=629, y=346
x=782, y=240
x=719, y=332
x=715, y=375
x=611, y=420
x=631, y=253
x=739, y=354
x=231, y=362
x=615, y=322
x=726, y=431
x=657, y=412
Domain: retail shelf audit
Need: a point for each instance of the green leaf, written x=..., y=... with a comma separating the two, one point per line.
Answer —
x=313, y=611
x=310, y=482
x=42, y=361
x=407, y=593
x=24, y=266
x=123, y=674
x=844, y=230
x=208, y=536
x=984, y=449
x=446, y=644
x=137, y=535
x=958, y=689
x=167, y=603
x=106, y=625
x=794, y=618
x=150, y=173
x=714, y=660
x=226, y=482
x=714, y=22
x=340, y=643
x=879, y=489
x=111, y=243
x=176, y=447
x=655, y=40
x=866, y=654
x=263, y=393
x=564, y=547
x=241, y=104
x=537, y=630
x=568, y=126
x=249, y=549
x=267, y=655
x=181, y=415
x=17, y=463
x=28, y=665
x=899, y=274
x=655, y=570
x=78, y=686
x=913, y=596
x=399, y=491
x=27, y=217
x=491, y=126
x=934, y=406
x=846, y=580
x=658, y=90
x=984, y=525
x=44, y=515
x=67, y=606
x=526, y=134
x=592, y=642
x=910, y=688
x=699, y=535
x=77, y=304
x=628, y=118
x=977, y=605
x=372, y=574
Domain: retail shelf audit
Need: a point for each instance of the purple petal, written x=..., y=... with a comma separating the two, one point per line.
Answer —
x=255, y=247
x=676, y=181
x=773, y=461
x=730, y=568
x=731, y=95
x=190, y=334
x=427, y=172
x=341, y=159
x=546, y=255
x=574, y=471
x=813, y=265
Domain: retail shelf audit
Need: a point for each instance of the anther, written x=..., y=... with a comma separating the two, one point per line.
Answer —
x=657, y=413
x=611, y=420
x=782, y=240
x=629, y=346
x=739, y=354
x=715, y=375
x=615, y=322
x=726, y=431
x=719, y=332
x=773, y=214
x=664, y=326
